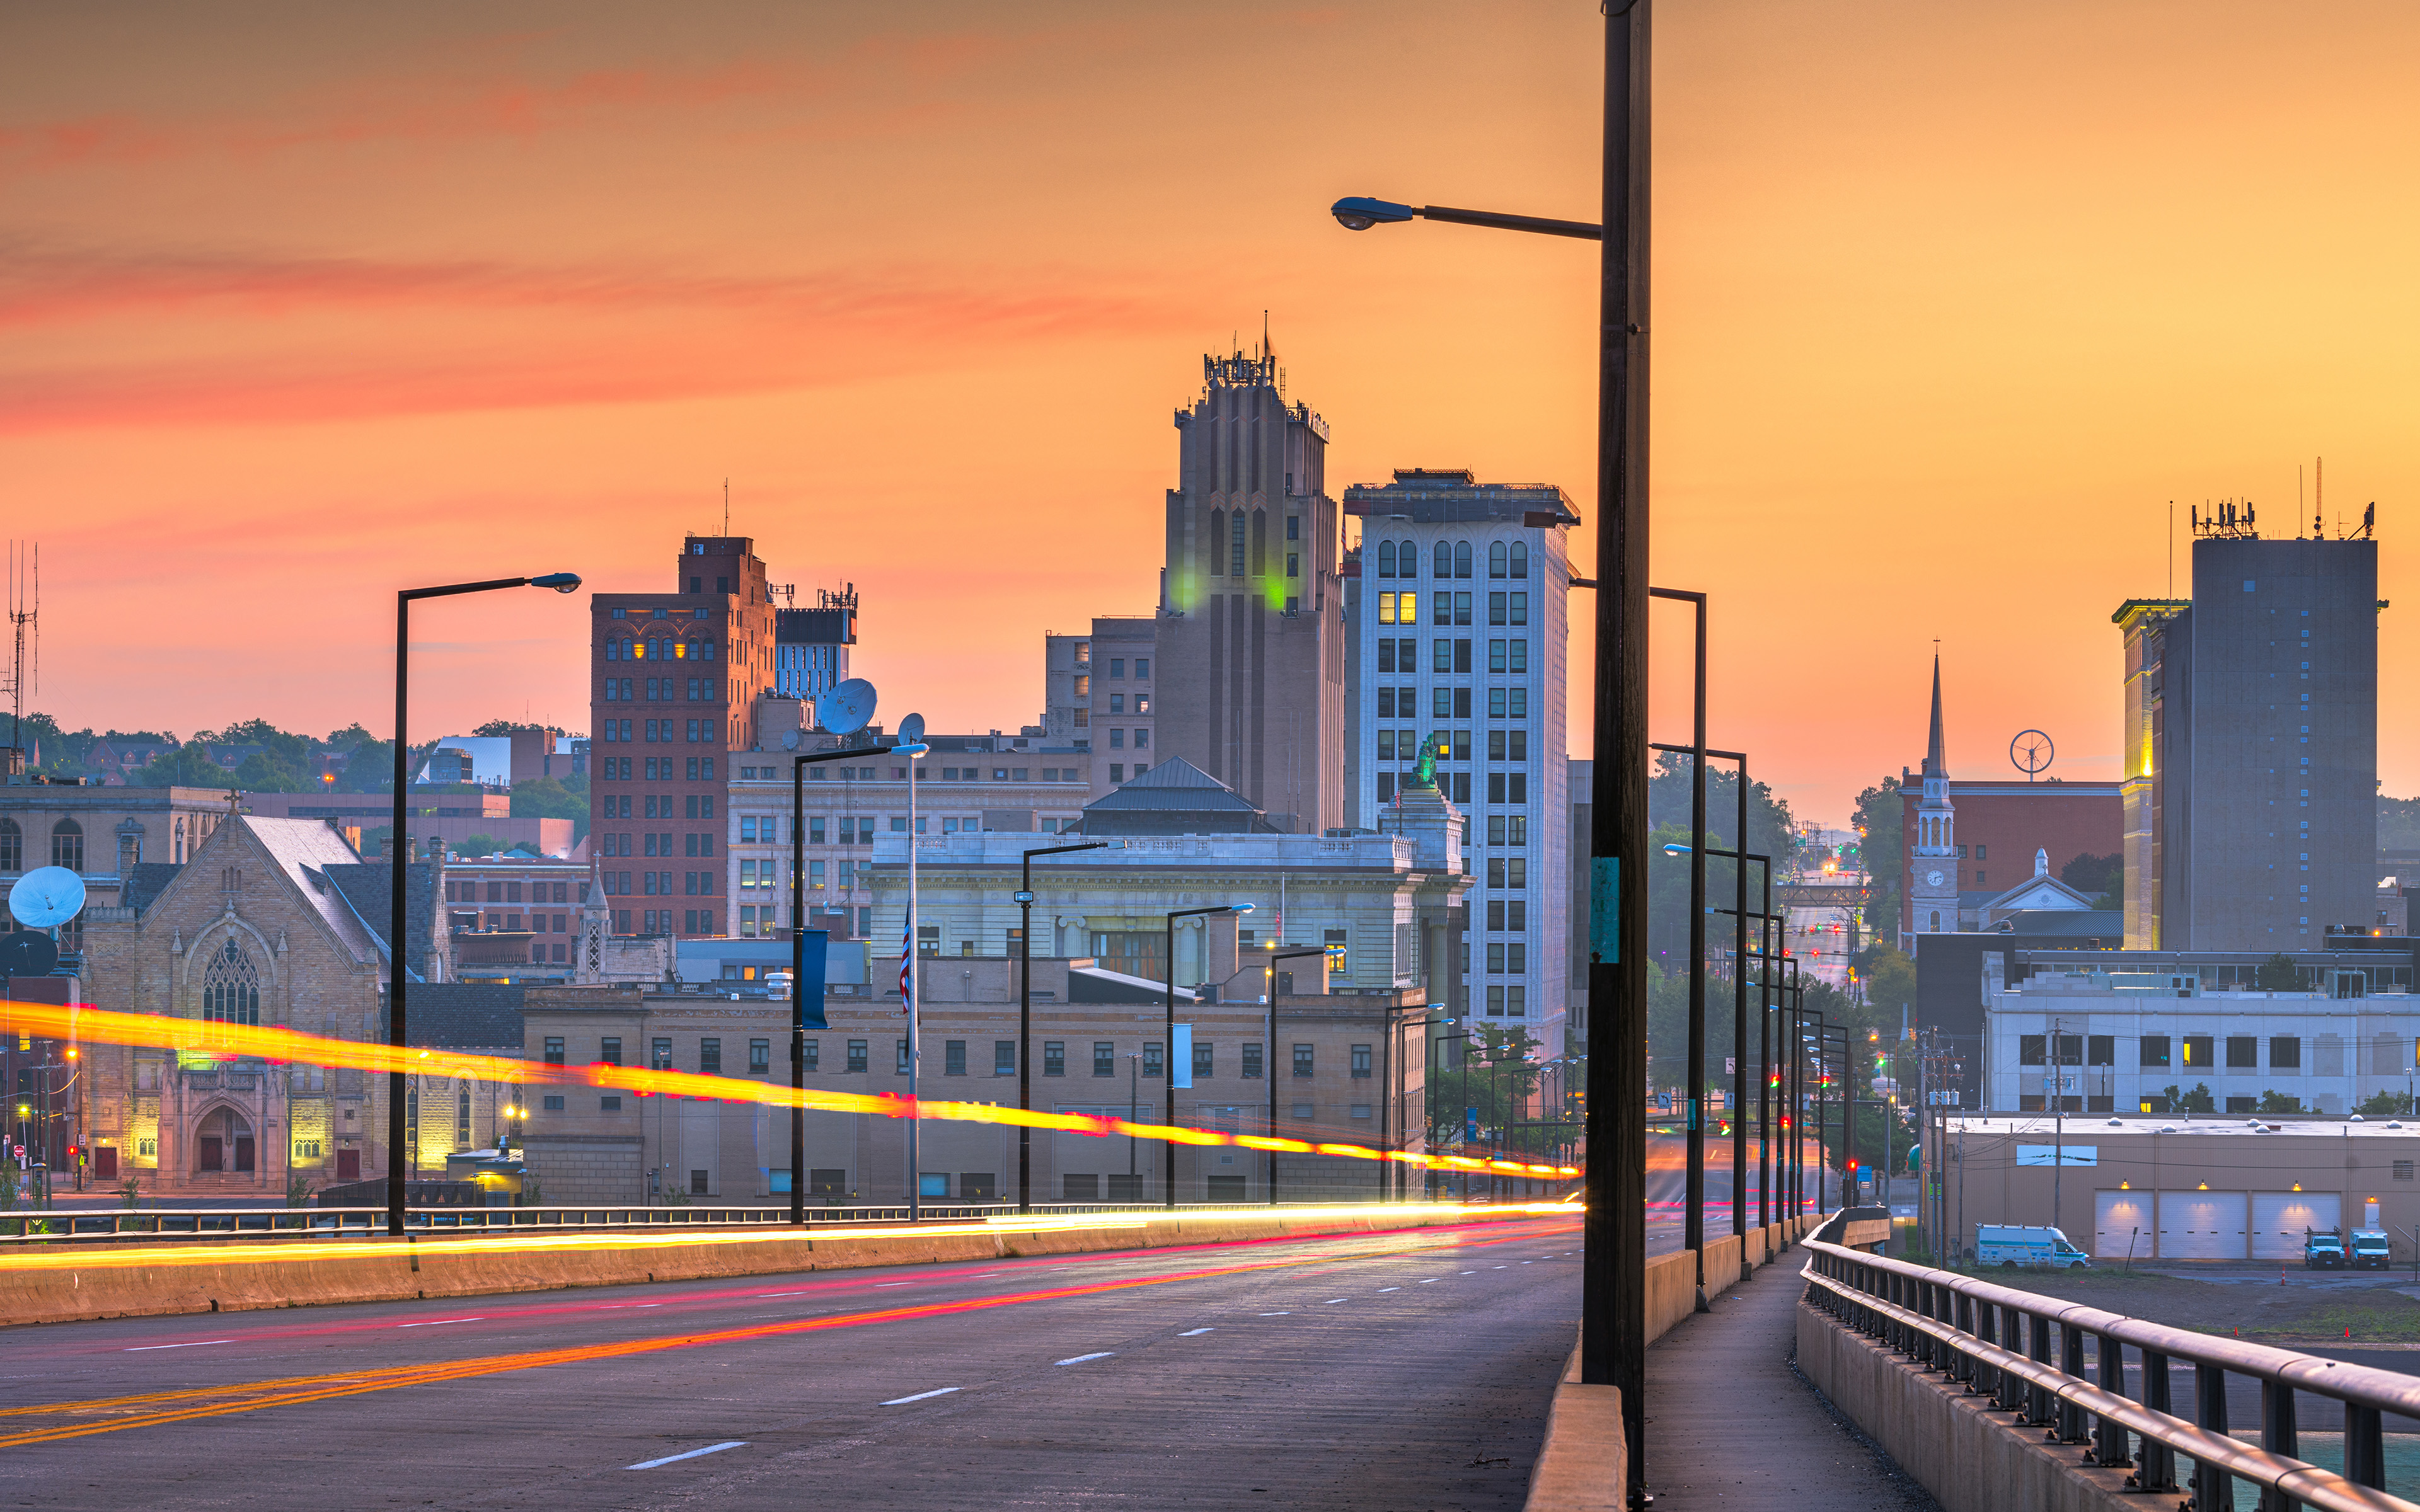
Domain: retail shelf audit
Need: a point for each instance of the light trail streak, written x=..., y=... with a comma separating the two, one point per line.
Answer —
x=159, y=1409
x=305, y=1249
x=77, y=1024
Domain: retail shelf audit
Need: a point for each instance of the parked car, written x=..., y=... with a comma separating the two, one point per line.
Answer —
x=2369, y=1250
x=2013, y=1246
x=2323, y=1251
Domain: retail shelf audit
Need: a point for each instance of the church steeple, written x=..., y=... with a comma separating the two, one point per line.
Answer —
x=1936, y=763
x=1934, y=876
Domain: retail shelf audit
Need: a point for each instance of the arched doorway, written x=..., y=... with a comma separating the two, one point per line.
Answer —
x=222, y=1142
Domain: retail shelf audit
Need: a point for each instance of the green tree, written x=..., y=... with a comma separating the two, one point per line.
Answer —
x=1876, y=821
x=1500, y=1081
x=2399, y=824
x=2176, y=1100
x=2385, y=1104
x=187, y=765
x=2100, y=877
x=477, y=845
x=2279, y=1102
x=514, y=727
x=2278, y=974
x=1889, y=977
x=547, y=798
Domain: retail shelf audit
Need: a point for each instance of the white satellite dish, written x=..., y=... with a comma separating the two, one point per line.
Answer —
x=46, y=897
x=789, y=740
x=848, y=708
x=911, y=730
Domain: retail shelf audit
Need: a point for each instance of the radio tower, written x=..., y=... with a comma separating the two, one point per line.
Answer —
x=25, y=632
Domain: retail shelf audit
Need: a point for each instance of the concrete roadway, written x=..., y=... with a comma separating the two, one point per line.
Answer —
x=1398, y=1371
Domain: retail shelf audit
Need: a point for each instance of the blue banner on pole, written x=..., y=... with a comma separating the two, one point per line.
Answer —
x=1180, y=1065
x=1605, y=909
x=810, y=992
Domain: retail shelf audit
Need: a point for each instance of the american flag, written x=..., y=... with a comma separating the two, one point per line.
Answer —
x=908, y=964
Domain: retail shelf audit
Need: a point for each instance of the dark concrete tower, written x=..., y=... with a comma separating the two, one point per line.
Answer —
x=1251, y=639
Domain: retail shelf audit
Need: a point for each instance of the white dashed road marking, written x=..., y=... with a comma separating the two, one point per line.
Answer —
x=710, y=1449
x=902, y=1401
x=1082, y=1358
x=195, y=1345
x=441, y=1323
x=1384, y=1290
x=1191, y=1332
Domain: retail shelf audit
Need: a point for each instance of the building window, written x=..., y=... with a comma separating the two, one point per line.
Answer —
x=1201, y=1059
x=857, y=1055
x=710, y=1058
x=2403, y=1170
x=231, y=987
x=554, y=1050
x=1004, y=1057
x=1302, y=1060
x=1152, y=1060
x=1361, y=1060
x=66, y=844
x=2242, y=1050
x=811, y=1056
x=2101, y=1050
x=2285, y=1053
x=2152, y=1050
x=954, y=1058
x=760, y=1056
x=1054, y=1058
x=1251, y=1063
x=554, y=1104
x=1105, y=1057
x=659, y=1055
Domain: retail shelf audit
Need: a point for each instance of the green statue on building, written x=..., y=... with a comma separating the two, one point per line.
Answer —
x=1424, y=774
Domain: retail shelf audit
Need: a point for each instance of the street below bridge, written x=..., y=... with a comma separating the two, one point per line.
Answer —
x=1391, y=1371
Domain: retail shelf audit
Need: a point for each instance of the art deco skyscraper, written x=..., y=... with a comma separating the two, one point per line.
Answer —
x=1251, y=638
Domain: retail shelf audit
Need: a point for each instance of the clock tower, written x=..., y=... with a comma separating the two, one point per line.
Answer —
x=1932, y=890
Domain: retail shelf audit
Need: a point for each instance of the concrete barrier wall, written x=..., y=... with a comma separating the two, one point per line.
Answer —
x=1672, y=1291
x=1970, y=1460
x=68, y=1286
x=1723, y=1264
x=1584, y=1465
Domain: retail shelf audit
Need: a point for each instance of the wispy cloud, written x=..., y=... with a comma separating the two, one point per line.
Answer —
x=313, y=339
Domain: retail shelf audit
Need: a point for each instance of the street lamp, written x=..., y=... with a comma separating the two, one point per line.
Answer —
x=1270, y=972
x=398, y=874
x=1613, y=1301
x=1167, y=1053
x=1024, y=1009
x=799, y=1025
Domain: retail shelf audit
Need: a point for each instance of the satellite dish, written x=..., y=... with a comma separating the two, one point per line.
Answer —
x=848, y=708
x=46, y=897
x=27, y=953
x=911, y=730
x=789, y=740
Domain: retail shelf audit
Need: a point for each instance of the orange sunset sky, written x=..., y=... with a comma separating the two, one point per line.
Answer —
x=303, y=303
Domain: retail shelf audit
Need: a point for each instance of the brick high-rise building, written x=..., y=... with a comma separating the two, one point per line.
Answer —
x=674, y=684
x=1250, y=652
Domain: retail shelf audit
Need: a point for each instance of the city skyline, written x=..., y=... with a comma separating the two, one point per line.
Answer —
x=372, y=351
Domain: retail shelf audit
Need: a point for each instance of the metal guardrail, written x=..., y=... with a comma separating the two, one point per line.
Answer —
x=1998, y=1342
x=370, y=1222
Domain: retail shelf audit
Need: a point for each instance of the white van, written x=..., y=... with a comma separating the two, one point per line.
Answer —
x=2011, y=1245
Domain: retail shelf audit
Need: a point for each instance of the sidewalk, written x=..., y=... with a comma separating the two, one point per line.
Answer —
x=1731, y=1426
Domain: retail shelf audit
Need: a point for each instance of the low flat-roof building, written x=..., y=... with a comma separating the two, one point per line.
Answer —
x=1350, y=1071
x=2179, y=1188
x=2101, y=1031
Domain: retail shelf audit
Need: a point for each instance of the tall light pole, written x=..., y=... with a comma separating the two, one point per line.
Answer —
x=799, y=1025
x=1613, y=1299
x=1025, y=1009
x=399, y=870
x=1271, y=970
x=1167, y=1051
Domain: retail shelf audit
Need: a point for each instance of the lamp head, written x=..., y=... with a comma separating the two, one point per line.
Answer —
x=919, y=749
x=1239, y=908
x=1675, y=848
x=561, y=582
x=1359, y=212
x=1113, y=845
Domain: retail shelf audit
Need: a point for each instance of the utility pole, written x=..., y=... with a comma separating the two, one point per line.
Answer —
x=2058, y=1118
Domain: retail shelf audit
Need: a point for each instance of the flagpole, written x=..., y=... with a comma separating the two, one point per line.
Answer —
x=907, y=1005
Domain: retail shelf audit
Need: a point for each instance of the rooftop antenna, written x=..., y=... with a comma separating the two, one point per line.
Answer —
x=24, y=626
x=2172, y=548
x=2318, y=497
x=727, y=507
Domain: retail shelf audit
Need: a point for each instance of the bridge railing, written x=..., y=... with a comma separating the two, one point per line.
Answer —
x=17, y=1228
x=2025, y=1353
